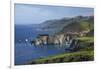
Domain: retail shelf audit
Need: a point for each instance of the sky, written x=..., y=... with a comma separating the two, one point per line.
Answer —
x=36, y=14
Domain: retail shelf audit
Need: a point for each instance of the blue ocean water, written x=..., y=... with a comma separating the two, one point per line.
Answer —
x=25, y=52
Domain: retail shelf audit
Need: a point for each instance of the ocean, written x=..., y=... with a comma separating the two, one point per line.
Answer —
x=25, y=52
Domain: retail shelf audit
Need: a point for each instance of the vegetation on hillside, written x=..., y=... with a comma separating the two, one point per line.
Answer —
x=85, y=52
x=85, y=48
x=67, y=57
x=76, y=24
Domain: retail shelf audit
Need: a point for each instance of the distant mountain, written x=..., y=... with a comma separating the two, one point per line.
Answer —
x=75, y=24
x=55, y=24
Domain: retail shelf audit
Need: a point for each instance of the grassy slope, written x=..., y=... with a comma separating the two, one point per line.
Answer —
x=85, y=53
x=78, y=27
x=86, y=43
x=67, y=57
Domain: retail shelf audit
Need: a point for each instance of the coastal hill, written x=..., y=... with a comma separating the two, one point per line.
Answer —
x=84, y=24
x=75, y=24
x=81, y=48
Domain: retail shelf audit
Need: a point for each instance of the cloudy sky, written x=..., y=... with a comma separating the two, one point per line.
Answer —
x=35, y=14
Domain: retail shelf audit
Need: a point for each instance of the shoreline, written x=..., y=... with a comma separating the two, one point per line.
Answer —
x=66, y=57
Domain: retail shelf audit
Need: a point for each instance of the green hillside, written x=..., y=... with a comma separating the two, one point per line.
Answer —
x=83, y=25
x=84, y=51
x=75, y=24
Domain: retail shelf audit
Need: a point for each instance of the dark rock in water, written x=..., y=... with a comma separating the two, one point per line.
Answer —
x=32, y=42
